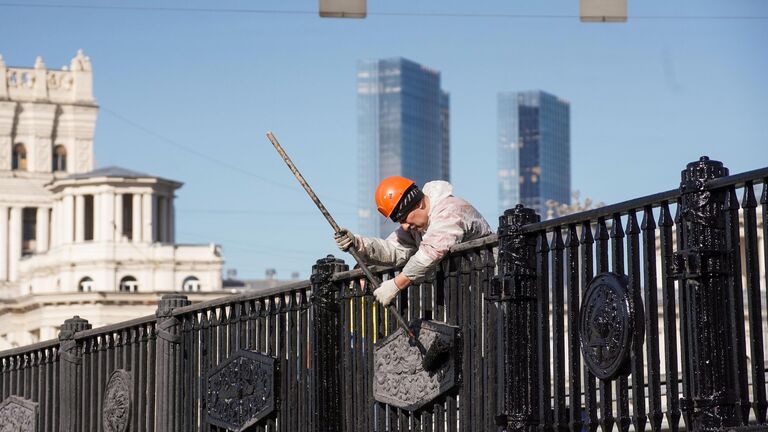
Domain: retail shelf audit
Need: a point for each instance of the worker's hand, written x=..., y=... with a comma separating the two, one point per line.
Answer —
x=345, y=239
x=386, y=292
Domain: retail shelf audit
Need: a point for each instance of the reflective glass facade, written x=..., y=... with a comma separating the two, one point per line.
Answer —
x=403, y=119
x=534, y=152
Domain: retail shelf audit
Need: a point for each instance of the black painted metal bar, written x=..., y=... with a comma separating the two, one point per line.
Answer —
x=346, y=340
x=282, y=360
x=463, y=299
x=587, y=273
x=369, y=305
x=151, y=374
x=491, y=344
x=274, y=423
x=205, y=364
x=478, y=363
x=381, y=410
x=752, y=264
x=623, y=418
x=558, y=331
x=304, y=350
x=639, y=417
x=764, y=203
x=648, y=226
x=542, y=334
x=261, y=340
x=452, y=317
x=736, y=309
x=574, y=354
x=101, y=372
x=685, y=401
x=358, y=336
x=188, y=372
x=292, y=365
x=48, y=410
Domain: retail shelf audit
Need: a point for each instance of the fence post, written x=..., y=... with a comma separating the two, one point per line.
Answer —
x=70, y=361
x=515, y=292
x=702, y=266
x=168, y=383
x=327, y=333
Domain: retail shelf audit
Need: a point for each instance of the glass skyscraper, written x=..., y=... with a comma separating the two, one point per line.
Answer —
x=403, y=119
x=534, y=153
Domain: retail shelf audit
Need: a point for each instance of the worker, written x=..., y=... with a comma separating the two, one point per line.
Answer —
x=431, y=221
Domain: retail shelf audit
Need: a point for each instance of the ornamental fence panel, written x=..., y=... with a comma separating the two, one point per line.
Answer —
x=643, y=315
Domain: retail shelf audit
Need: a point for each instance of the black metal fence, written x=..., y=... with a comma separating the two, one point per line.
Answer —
x=647, y=314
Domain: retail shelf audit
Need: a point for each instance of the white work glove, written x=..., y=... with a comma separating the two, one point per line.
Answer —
x=386, y=292
x=345, y=239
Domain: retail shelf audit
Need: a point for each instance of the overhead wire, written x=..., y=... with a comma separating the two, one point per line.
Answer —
x=253, y=247
x=370, y=13
x=208, y=157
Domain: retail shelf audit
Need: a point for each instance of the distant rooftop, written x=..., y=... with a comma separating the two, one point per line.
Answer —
x=116, y=172
x=110, y=171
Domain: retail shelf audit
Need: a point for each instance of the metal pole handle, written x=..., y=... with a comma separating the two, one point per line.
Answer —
x=352, y=251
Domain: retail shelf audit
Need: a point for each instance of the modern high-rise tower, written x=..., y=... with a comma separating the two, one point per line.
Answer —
x=534, y=153
x=403, y=119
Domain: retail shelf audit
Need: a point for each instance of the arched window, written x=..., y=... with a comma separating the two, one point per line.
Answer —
x=59, y=158
x=191, y=283
x=19, y=158
x=129, y=284
x=85, y=284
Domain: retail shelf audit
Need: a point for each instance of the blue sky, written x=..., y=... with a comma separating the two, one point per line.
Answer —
x=190, y=95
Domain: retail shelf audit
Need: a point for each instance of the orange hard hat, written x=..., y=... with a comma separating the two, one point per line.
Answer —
x=396, y=196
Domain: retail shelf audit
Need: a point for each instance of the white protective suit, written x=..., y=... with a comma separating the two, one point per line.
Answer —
x=451, y=220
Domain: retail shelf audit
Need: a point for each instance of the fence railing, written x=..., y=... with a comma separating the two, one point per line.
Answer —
x=647, y=314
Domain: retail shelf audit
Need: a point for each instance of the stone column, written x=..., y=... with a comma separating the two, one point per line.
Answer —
x=118, y=231
x=171, y=222
x=4, y=241
x=14, y=243
x=107, y=216
x=70, y=374
x=163, y=216
x=54, y=227
x=42, y=229
x=168, y=364
x=147, y=214
x=136, y=224
x=67, y=219
x=327, y=401
x=79, y=218
x=7, y=120
x=98, y=218
x=3, y=83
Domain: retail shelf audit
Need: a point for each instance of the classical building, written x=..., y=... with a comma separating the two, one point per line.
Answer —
x=74, y=240
x=403, y=128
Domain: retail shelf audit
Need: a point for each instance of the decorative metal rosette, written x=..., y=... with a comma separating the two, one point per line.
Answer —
x=242, y=390
x=18, y=415
x=607, y=318
x=117, y=401
x=399, y=378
